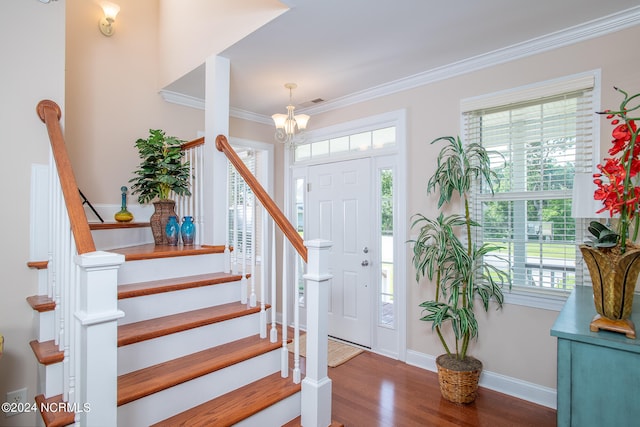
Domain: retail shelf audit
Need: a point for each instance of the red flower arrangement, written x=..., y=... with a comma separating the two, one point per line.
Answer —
x=621, y=194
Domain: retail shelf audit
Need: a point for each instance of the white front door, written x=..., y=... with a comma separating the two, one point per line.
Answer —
x=340, y=210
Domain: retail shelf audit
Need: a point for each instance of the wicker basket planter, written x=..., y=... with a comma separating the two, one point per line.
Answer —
x=158, y=220
x=614, y=276
x=458, y=378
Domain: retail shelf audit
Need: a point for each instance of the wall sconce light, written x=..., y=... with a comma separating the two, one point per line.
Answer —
x=110, y=12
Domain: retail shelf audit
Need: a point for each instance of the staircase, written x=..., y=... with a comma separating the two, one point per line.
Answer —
x=187, y=348
x=163, y=335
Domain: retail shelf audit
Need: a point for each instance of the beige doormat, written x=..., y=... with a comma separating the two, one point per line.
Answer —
x=337, y=352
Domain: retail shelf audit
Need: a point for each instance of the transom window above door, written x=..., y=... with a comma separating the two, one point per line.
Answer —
x=346, y=145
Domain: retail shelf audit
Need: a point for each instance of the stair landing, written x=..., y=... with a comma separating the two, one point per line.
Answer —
x=152, y=251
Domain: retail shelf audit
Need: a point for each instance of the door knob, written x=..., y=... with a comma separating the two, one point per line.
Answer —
x=364, y=263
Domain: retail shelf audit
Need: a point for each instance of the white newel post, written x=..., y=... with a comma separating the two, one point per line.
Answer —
x=97, y=315
x=316, y=386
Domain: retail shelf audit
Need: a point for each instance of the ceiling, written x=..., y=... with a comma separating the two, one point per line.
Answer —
x=340, y=49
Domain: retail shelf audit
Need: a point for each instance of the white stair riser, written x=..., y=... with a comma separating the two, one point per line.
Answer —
x=166, y=303
x=121, y=238
x=277, y=414
x=165, y=268
x=151, y=352
x=45, y=324
x=43, y=279
x=50, y=379
x=181, y=397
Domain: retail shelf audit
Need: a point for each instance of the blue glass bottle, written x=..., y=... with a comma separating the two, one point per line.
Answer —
x=172, y=230
x=188, y=230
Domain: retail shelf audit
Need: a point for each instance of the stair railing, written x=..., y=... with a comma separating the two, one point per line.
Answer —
x=192, y=205
x=316, y=386
x=82, y=282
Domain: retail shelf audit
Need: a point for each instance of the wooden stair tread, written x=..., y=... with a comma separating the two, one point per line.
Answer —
x=174, y=284
x=41, y=303
x=38, y=265
x=54, y=417
x=117, y=225
x=47, y=352
x=153, y=328
x=141, y=383
x=152, y=251
x=237, y=405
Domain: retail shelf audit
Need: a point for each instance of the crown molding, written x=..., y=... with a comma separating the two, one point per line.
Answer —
x=181, y=99
x=248, y=115
x=589, y=30
x=579, y=33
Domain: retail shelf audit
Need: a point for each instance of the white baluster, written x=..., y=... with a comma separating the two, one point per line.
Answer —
x=243, y=291
x=57, y=262
x=71, y=359
x=284, y=359
x=273, y=335
x=263, y=279
x=296, y=327
x=227, y=253
x=236, y=248
x=199, y=205
x=252, y=297
x=51, y=224
x=65, y=295
x=75, y=362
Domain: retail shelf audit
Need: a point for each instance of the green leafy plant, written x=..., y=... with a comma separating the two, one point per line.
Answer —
x=603, y=236
x=459, y=269
x=161, y=169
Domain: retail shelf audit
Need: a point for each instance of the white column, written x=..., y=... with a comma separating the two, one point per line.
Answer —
x=217, y=79
x=316, y=386
x=97, y=316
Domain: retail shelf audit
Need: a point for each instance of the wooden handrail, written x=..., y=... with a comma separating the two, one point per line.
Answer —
x=49, y=112
x=192, y=144
x=278, y=217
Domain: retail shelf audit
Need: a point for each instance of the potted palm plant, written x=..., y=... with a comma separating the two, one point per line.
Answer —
x=462, y=278
x=160, y=172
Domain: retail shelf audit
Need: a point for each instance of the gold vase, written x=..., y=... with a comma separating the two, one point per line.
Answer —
x=614, y=277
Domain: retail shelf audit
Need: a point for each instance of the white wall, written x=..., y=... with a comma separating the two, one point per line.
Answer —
x=207, y=27
x=32, y=52
x=514, y=342
x=112, y=96
x=113, y=83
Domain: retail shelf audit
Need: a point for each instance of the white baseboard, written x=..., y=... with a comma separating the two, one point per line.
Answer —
x=525, y=390
x=534, y=393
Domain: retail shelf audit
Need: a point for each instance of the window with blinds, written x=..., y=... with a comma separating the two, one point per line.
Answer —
x=538, y=138
x=241, y=205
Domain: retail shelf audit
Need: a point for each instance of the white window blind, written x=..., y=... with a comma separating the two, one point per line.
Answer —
x=239, y=194
x=540, y=137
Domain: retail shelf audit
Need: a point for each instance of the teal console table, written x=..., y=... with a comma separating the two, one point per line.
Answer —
x=598, y=372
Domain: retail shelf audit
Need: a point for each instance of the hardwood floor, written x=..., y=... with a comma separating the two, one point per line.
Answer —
x=372, y=390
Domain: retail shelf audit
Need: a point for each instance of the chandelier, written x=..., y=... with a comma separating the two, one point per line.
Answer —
x=289, y=127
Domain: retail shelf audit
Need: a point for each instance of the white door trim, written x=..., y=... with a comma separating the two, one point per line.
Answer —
x=395, y=157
